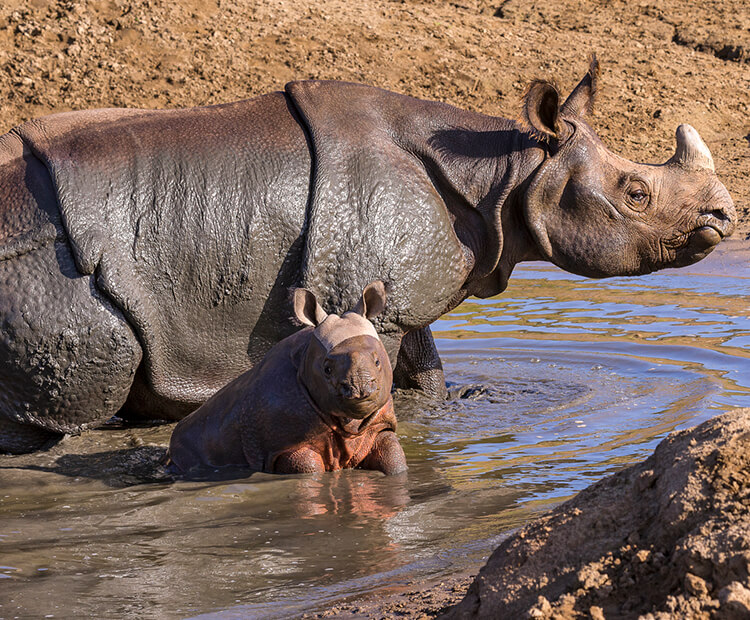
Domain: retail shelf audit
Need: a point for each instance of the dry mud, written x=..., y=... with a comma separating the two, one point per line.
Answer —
x=663, y=62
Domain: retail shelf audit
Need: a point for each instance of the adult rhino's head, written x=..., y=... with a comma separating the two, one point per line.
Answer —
x=597, y=214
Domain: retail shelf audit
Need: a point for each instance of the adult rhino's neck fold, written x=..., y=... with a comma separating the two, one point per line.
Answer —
x=401, y=148
x=478, y=168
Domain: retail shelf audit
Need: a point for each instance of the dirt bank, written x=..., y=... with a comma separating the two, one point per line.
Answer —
x=669, y=537
x=664, y=62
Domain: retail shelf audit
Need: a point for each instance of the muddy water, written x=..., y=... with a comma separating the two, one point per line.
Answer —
x=561, y=380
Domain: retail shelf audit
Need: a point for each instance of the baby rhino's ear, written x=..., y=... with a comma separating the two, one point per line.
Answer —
x=372, y=302
x=307, y=309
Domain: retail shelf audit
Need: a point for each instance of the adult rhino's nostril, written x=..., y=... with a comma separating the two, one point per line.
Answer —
x=721, y=219
x=719, y=214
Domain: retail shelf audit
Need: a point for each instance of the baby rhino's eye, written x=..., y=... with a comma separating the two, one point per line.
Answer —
x=377, y=362
x=327, y=369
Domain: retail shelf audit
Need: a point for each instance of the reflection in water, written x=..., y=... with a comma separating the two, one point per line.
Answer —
x=556, y=383
x=346, y=493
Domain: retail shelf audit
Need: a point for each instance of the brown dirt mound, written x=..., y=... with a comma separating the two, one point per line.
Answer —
x=669, y=537
x=664, y=61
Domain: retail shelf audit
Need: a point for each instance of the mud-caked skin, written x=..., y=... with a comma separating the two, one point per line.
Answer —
x=147, y=255
x=319, y=401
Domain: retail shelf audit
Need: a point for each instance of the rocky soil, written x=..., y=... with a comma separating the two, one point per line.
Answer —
x=663, y=61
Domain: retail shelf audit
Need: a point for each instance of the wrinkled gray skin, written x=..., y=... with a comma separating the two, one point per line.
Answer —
x=147, y=255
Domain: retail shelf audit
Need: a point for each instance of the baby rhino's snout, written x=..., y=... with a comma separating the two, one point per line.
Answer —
x=346, y=370
x=357, y=388
x=360, y=374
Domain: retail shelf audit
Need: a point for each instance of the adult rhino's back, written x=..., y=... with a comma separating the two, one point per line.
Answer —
x=187, y=224
x=188, y=217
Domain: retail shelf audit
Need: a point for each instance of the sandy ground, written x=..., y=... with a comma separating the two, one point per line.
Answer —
x=663, y=62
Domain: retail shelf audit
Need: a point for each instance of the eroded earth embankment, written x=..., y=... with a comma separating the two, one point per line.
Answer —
x=665, y=538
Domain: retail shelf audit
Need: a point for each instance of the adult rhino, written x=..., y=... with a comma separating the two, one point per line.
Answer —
x=147, y=255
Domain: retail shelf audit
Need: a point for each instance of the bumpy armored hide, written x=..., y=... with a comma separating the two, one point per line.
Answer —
x=170, y=209
x=374, y=213
x=386, y=192
x=197, y=222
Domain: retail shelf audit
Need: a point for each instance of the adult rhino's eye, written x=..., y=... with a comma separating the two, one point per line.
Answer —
x=377, y=362
x=637, y=197
x=327, y=369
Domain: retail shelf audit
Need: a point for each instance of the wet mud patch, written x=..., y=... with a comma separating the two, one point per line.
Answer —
x=116, y=455
x=121, y=455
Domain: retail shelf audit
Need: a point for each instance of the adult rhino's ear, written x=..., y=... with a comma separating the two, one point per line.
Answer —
x=372, y=302
x=542, y=110
x=581, y=100
x=307, y=309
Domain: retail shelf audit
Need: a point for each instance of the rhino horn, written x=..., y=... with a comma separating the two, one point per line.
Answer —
x=691, y=152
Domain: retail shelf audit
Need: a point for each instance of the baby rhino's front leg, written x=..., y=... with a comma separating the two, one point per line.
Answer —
x=300, y=461
x=386, y=455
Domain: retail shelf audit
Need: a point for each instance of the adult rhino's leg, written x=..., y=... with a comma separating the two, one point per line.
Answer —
x=67, y=356
x=18, y=438
x=419, y=366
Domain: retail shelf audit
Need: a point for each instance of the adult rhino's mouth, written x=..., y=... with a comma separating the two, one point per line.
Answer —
x=690, y=247
x=705, y=237
x=709, y=229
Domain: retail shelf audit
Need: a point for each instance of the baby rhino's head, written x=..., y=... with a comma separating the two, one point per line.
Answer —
x=346, y=369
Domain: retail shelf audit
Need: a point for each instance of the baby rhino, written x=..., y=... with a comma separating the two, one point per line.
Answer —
x=319, y=401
